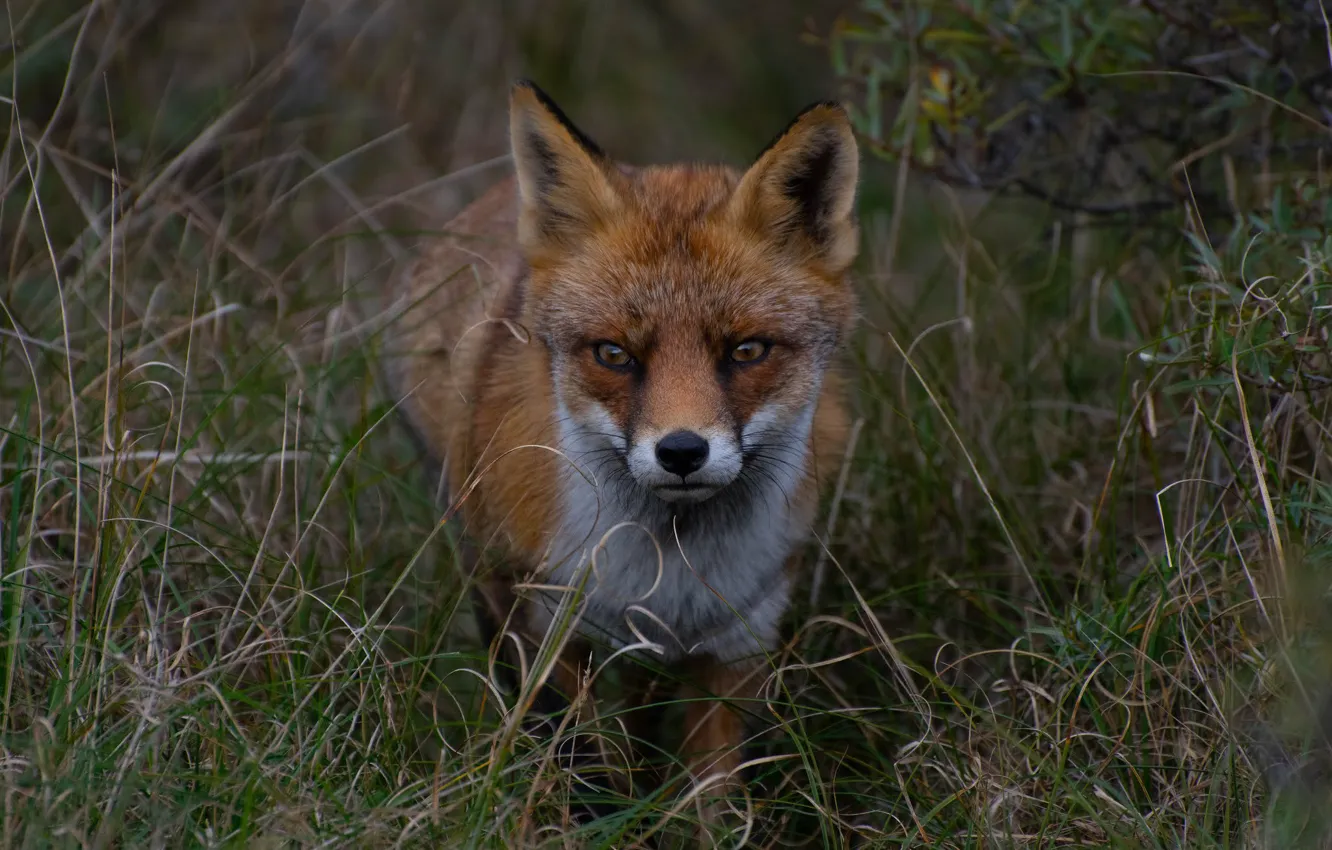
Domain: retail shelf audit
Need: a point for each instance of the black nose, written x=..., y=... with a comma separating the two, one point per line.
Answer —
x=682, y=452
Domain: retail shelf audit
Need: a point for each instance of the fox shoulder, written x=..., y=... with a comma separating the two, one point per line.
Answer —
x=442, y=302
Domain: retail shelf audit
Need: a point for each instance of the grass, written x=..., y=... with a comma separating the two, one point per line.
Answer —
x=1075, y=593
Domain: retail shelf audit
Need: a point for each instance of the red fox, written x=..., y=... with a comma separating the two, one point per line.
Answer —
x=628, y=377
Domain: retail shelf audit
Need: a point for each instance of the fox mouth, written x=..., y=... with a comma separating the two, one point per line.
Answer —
x=685, y=492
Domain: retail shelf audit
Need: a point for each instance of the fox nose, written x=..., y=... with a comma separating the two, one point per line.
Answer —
x=682, y=452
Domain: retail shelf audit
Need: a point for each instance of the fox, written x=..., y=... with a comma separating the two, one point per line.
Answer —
x=628, y=381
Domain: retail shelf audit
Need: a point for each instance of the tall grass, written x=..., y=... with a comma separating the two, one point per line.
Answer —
x=1075, y=592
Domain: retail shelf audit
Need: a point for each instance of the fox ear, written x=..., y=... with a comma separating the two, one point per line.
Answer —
x=803, y=187
x=565, y=183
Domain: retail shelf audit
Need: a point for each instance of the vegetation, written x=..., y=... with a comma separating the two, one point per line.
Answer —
x=1073, y=590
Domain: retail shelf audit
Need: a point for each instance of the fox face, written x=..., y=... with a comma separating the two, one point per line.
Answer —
x=689, y=312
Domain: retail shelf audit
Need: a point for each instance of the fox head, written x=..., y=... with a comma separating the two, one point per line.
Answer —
x=690, y=312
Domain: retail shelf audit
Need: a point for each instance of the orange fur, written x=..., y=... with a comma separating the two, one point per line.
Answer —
x=675, y=265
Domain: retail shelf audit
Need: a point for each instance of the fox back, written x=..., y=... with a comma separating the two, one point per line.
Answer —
x=628, y=378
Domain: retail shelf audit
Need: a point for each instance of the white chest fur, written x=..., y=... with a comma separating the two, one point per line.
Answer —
x=706, y=579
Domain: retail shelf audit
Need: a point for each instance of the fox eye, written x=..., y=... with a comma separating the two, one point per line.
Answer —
x=612, y=356
x=749, y=351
